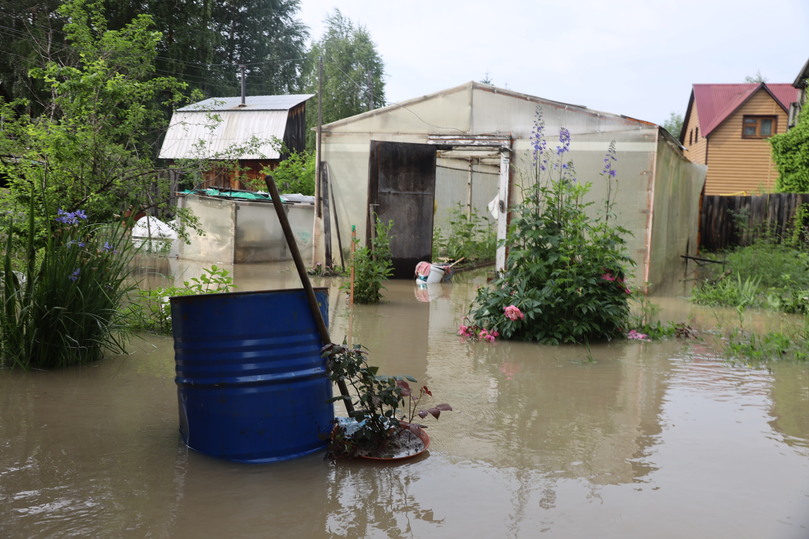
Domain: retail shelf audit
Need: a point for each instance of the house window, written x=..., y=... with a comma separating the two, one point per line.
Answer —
x=758, y=126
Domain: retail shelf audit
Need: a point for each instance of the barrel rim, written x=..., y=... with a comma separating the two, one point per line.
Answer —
x=321, y=289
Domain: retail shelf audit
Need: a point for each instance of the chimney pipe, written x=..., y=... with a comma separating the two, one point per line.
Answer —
x=244, y=86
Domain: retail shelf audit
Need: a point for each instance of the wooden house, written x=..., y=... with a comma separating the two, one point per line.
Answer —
x=239, y=136
x=801, y=82
x=726, y=127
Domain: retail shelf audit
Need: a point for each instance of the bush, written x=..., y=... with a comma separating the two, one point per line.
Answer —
x=371, y=266
x=61, y=303
x=564, y=278
x=790, y=151
x=295, y=174
x=760, y=275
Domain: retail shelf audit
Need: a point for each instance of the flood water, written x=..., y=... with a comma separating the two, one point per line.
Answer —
x=662, y=439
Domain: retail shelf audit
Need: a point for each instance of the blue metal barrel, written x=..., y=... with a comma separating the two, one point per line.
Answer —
x=251, y=384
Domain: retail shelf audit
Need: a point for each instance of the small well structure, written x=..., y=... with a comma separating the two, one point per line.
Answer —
x=470, y=147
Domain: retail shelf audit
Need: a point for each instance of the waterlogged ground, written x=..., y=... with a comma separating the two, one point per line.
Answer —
x=661, y=439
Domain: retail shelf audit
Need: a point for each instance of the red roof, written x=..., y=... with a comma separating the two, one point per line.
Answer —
x=715, y=102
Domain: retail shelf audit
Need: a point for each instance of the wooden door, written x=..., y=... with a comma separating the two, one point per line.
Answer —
x=401, y=189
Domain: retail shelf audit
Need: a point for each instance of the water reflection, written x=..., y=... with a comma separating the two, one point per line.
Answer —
x=550, y=440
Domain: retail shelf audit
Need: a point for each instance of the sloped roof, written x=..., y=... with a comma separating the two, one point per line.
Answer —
x=221, y=128
x=715, y=102
x=251, y=102
x=473, y=86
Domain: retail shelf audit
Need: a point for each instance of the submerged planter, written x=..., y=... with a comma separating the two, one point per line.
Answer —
x=410, y=441
x=251, y=384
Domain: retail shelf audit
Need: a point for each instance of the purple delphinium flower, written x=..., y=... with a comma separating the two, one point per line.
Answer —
x=609, y=172
x=538, y=142
x=564, y=138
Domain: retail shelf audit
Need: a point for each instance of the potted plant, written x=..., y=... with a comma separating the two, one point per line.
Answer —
x=381, y=424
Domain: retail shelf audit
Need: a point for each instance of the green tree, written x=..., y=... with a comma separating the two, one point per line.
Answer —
x=91, y=147
x=202, y=42
x=296, y=173
x=30, y=34
x=674, y=124
x=264, y=36
x=790, y=151
x=758, y=78
x=352, y=72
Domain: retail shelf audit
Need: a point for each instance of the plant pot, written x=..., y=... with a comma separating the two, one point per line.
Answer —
x=407, y=452
x=411, y=443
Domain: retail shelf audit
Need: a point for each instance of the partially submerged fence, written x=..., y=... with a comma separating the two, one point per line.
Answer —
x=730, y=221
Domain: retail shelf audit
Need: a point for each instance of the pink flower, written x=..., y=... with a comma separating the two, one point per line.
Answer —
x=513, y=313
x=637, y=335
x=476, y=333
x=608, y=277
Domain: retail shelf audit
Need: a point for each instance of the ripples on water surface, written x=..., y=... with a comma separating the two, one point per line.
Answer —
x=658, y=439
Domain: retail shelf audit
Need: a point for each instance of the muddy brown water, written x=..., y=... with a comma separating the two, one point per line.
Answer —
x=662, y=439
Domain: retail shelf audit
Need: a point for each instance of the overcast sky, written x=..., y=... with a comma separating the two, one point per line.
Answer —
x=638, y=58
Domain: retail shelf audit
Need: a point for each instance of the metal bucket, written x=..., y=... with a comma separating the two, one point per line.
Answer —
x=251, y=384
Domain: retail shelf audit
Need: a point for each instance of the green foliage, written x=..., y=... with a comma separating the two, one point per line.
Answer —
x=380, y=403
x=643, y=320
x=353, y=73
x=471, y=237
x=151, y=311
x=799, y=231
x=27, y=32
x=376, y=400
x=296, y=173
x=371, y=266
x=674, y=124
x=772, y=346
x=790, y=151
x=766, y=275
x=61, y=302
x=729, y=292
x=201, y=43
x=565, y=271
x=90, y=148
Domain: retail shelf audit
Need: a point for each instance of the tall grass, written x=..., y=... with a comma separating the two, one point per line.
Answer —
x=764, y=275
x=61, y=299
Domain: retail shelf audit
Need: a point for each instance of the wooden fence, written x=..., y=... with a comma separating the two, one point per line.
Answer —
x=729, y=221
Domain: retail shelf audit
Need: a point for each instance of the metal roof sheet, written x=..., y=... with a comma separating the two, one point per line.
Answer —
x=224, y=135
x=251, y=102
x=220, y=128
x=715, y=102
